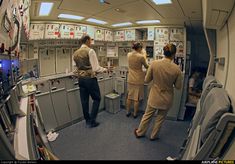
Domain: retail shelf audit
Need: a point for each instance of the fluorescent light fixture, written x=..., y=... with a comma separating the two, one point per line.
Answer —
x=148, y=21
x=162, y=2
x=92, y=20
x=122, y=24
x=45, y=8
x=68, y=16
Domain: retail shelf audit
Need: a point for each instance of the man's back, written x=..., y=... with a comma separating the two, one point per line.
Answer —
x=165, y=75
x=81, y=58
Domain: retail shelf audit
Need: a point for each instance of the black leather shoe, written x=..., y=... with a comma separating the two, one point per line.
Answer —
x=128, y=114
x=94, y=124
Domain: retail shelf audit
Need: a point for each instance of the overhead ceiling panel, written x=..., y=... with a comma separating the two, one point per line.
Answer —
x=35, y=6
x=178, y=22
x=114, y=16
x=140, y=11
x=91, y=7
x=192, y=8
x=83, y=6
x=168, y=11
x=178, y=13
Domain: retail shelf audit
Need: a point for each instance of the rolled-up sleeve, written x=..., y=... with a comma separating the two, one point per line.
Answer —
x=94, y=62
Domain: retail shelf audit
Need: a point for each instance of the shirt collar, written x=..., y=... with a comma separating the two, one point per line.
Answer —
x=84, y=46
x=167, y=60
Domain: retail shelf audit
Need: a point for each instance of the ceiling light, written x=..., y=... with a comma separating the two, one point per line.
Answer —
x=92, y=20
x=120, y=10
x=162, y=2
x=68, y=16
x=148, y=21
x=122, y=24
x=45, y=8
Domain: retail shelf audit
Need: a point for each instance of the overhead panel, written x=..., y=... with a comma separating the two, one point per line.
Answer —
x=221, y=17
x=214, y=16
x=168, y=11
x=94, y=6
x=118, y=11
x=113, y=17
x=178, y=22
x=82, y=6
x=34, y=10
x=216, y=12
x=192, y=8
x=147, y=12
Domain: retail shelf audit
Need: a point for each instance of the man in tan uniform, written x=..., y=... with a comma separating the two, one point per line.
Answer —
x=135, y=78
x=165, y=75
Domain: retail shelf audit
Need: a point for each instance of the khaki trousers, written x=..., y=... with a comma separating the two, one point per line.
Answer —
x=143, y=127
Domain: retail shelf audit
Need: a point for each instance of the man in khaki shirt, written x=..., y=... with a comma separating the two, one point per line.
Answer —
x=165, y=76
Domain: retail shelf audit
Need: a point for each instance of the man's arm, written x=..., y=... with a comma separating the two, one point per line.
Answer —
x=149, y=75
x=94, y=62
x=144, y=62
x=179, y=81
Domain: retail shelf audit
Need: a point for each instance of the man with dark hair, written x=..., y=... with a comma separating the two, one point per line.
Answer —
x=87, y=67
x=164, y=75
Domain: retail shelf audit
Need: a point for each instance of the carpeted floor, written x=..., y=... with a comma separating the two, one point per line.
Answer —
x=114, y=139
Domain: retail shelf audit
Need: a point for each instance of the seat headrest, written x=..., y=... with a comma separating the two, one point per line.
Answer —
x=207, y=90
x=216, y=104
x=209, y=79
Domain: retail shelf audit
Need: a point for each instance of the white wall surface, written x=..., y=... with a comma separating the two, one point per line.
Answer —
x=230, y=87
x=222, y=51
x=226, y=48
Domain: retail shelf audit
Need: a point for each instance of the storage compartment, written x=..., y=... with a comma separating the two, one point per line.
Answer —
x=108, y=86
x=47, y=111
x=59, y=101
x=101, y=86
x=74, y=100
x=112, y=103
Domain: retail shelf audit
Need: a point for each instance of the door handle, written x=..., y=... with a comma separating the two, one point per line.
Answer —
x=76, y=83
x=54, y=88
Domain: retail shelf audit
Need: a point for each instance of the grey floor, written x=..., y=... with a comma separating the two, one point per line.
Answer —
x=114, y=140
